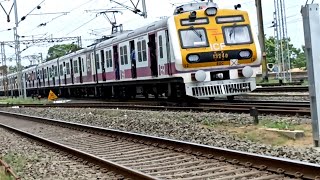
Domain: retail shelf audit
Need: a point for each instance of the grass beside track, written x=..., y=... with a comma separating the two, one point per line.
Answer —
x=17, y=162
x=23, y=101
x=258, y=134
x=273, y=80
x=3, y=176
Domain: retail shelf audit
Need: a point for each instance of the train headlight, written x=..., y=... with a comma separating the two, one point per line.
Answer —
x=219, y=76
x=193, y=15
x=200, y=75
x=193, y=58
x=245, y=54
x=211, y=11
x=247, y=71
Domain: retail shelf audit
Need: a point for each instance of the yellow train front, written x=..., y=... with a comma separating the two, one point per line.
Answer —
x=215, y=50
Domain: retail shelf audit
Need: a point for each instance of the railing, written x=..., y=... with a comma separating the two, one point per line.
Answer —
x=8, y=170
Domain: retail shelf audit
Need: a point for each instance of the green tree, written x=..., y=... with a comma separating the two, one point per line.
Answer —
x=296, y=55
x=270, y=44
x=61, y=50
x=298, y=58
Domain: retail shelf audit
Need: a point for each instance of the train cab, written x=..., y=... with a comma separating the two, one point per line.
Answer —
x=217, y=46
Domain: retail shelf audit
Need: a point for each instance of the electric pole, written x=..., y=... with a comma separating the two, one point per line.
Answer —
x=17, y=51
x=262, y=40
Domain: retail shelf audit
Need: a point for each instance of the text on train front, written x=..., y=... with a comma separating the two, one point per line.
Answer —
x=211, y=38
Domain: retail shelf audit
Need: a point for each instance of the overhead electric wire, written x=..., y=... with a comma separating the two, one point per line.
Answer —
x=82, y=25
x=37, y=7
x=73, y=22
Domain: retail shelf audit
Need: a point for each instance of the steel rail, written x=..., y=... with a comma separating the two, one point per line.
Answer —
x=119, y=169
x=210, y=107
x=273, y=164
x=282, y=89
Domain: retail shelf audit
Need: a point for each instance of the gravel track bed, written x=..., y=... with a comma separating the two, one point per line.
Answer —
x=30, y=160
x=185, y=126
x=274, y=98
x=157, y=162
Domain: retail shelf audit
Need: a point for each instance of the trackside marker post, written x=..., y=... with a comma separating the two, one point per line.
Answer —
x=52, y=96
x=311, y=27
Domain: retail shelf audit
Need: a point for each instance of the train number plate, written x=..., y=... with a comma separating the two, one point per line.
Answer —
x=218, y=56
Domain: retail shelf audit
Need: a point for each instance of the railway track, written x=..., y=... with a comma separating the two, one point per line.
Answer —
x=282, y=89
x=264, y=107
x=145, y=157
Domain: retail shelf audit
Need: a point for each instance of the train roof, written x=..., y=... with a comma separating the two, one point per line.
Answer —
x=151, y=27
x=127, y=35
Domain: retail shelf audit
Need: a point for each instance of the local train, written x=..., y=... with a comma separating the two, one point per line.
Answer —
x=200, y=51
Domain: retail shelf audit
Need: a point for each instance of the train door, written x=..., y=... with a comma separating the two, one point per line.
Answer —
x=39, y=78
x=89, y=69
x=80, y=69
x=43, y=77
x=48, y=75
x=162, y=54
x=142, y=57
x=72, y=72
x=57, y=73
x=109, y=63
x=32, y=78
x=97, y=65
x=103, y=65
x=75, y=71
x=53, y=75
x=60, y=73
x=125, y=64
x=65, y=72
x=116, y=62
x=153, y=54
x=133, y=59
x=167, y=46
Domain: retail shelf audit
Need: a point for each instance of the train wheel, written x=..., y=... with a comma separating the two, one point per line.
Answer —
x=230, y=98
x=146, y=95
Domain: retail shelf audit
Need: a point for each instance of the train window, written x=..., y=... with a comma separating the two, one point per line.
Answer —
x=193, y=38
x=68, y=68
x=125, y=55
x=97, y=61
x=121, y=55
x=139, y=51
x=144, y=50
x=110, y=58
x=61, y=70
x=160, y=47
x=75, y=66
x=237, y=34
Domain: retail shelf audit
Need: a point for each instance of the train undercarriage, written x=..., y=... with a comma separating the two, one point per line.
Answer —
x=170, y=88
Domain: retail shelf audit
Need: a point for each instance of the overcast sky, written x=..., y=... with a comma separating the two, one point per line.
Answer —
x=80, y=22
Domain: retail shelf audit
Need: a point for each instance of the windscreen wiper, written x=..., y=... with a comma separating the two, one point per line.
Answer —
x=197, y=33
x=233, y=30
